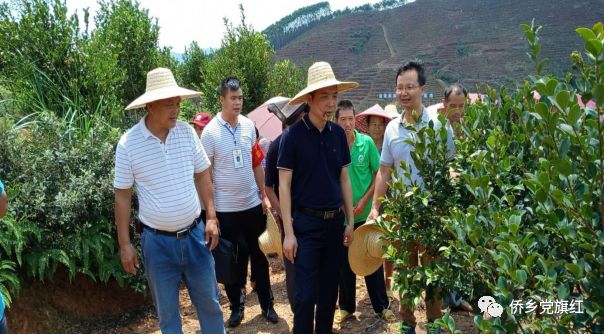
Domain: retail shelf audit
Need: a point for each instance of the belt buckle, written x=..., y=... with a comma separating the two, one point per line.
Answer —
x=182, y=233
x=329, y=215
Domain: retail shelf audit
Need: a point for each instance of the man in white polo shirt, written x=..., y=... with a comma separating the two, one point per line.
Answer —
x=239, y=189
x=164, y=159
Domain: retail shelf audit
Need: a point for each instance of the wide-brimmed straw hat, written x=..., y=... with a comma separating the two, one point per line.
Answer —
x=320, y=75
x=391, y=110
x=161, y=85
x=270, y=240
x=286, y=112
x=365, y=253
x=361, y=123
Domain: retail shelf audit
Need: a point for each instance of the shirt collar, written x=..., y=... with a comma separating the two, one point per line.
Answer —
x=146, y=132
x=357, y=141
x=309, y=125
x=223, y=122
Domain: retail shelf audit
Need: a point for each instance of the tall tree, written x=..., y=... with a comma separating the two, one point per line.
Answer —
x=245, y=54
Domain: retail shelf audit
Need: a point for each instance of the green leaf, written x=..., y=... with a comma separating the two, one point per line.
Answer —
x=594, y=47
x=585, y=33
x=574, y=114
x=563, y=99
x=563, y=292
x=564, y=167
x=551, y=86
x=574, y=268
x=521, y=277
x=566, y=128
x=564, y=147
x=542, y=110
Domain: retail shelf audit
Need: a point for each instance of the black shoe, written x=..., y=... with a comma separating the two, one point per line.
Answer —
x=270, y=315
x=235, y=318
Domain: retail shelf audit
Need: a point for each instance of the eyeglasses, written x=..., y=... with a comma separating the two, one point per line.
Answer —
x=407, y=88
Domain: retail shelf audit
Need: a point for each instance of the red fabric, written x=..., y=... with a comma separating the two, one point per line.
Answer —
x=257, y=155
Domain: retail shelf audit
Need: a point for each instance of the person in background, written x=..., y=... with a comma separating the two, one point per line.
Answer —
x=454, y=103
x=365, y=161
x=200, y=121
x=3, y=210
x=373, y=122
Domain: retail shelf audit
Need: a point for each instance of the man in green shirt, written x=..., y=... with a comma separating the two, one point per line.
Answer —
x=365, y=162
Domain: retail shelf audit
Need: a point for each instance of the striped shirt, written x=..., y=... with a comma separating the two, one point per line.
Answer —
x=230, y=150
x=162, y=174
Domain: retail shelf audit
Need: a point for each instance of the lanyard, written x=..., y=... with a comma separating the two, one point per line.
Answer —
x=232, y=132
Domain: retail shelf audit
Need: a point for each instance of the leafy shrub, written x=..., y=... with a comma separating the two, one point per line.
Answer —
x=527, y=218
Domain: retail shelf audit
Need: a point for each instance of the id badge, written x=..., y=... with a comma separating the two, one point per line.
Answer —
x=237, y=158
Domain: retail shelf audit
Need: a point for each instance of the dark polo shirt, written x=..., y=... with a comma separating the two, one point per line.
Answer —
x=316, y=159
x=271, y=173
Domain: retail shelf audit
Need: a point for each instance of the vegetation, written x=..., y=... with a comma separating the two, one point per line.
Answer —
x=524, y=221
x=62, y=94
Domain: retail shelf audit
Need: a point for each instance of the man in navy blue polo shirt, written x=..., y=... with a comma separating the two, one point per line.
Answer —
x=315, y=187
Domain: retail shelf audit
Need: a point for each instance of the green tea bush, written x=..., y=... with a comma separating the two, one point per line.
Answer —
x=524, y=222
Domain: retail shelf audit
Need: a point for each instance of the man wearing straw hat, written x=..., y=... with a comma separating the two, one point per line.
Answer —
x=228, y=140
x=410, y=84
x=315, y=195
x=365, y=161
x=170, y=185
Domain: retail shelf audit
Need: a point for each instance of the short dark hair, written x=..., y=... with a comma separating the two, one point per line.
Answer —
x=229, y=84
x=344, y=104
x=456, y=89
x=413, y=65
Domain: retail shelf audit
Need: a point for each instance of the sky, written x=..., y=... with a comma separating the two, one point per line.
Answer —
x=183, y=21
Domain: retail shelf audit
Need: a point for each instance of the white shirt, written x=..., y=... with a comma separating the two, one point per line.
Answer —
x=230, y=150
x=162, y=174
x=395, y=149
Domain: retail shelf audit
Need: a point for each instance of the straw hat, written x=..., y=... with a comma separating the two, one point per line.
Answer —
x=161, y=85
x=270, y=240
x=391, y=110
x=366, y=250
x=361, y=119
x=320, y=75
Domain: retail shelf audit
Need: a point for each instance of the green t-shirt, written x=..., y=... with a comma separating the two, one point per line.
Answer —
x=364, y=163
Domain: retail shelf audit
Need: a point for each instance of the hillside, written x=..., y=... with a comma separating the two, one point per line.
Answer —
x=467, y=41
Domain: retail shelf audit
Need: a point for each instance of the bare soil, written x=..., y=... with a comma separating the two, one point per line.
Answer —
x=83, y=306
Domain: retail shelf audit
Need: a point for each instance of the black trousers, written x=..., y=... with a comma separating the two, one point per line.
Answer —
x=376, y=286
x=290, y=275
x=242, y=229
x=318, y=261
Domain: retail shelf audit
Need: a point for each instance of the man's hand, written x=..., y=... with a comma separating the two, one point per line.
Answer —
x=348, y=234
x=290, y=247
x=212, y=233
x=129, y=258
x=373, y=215
x=359, y=208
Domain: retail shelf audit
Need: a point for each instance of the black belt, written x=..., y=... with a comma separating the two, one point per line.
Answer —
x=178, y=234
x=325, y=215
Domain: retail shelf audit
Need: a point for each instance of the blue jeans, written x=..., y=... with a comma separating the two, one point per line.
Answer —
x=4, y=324
x=169, y=260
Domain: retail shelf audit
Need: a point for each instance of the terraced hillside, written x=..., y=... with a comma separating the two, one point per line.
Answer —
x=468, y=41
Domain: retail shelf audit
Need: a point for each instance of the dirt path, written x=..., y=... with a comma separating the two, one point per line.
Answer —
x=390, y=48
x=365, y=320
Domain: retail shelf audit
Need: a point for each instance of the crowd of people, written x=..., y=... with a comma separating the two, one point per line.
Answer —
x=321, y=179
